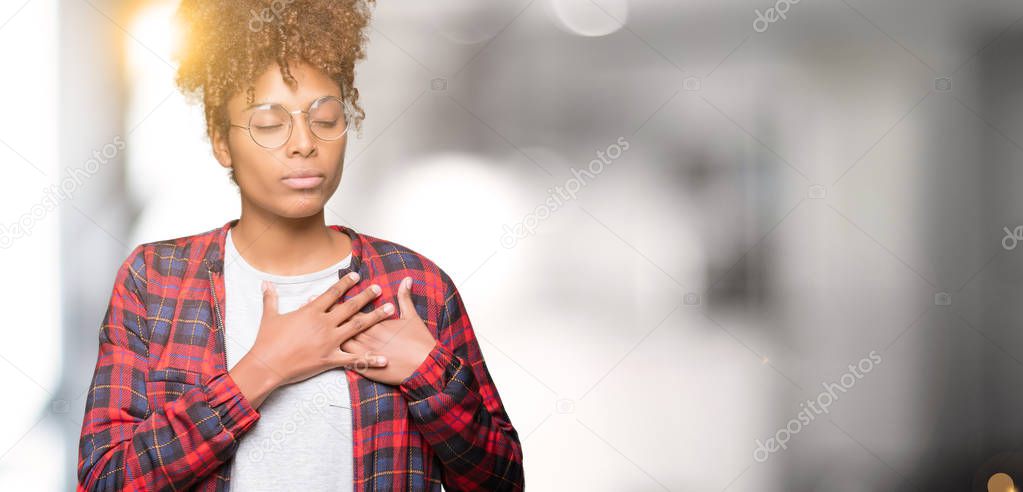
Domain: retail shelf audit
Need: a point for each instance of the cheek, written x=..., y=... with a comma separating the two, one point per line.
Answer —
x=335, y=154
x=259, y=183
x=335, y=151
x=333, y=184
x=254, y=165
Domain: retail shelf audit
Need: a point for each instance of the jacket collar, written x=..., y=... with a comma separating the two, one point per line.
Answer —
x=214, y=256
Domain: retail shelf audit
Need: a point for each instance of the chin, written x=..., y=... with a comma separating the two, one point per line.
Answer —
x=311, y=204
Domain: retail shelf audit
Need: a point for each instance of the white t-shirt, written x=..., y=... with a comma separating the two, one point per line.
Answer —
x=303, y=438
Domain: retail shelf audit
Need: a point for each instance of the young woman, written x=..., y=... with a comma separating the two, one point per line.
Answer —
x=276, y=352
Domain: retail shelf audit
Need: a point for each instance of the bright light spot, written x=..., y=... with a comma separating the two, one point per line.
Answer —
x=167, y=146
x=153, y=36
x=591, y=17
x=466, y=191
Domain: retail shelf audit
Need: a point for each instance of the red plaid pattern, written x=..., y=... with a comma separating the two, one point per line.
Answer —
x=164, y=414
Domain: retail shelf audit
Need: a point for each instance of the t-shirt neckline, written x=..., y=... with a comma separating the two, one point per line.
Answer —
x=234, y=255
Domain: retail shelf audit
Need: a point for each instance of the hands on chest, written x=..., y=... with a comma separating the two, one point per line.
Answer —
x=404, y=341
x=382, y=345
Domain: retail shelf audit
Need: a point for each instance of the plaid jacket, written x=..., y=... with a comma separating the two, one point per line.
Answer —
x=164, y=414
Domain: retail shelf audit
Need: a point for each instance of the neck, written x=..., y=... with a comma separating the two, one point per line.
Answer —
x=288, y=246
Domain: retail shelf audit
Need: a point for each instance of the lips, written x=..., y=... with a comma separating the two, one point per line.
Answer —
x=302, y=179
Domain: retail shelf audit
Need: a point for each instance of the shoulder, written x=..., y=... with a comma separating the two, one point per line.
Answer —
x=397, y=261
x=192, y=242
x=172, y=256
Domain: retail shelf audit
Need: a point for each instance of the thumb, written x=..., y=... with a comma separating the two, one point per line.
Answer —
x=405, y=305
x=269, y=298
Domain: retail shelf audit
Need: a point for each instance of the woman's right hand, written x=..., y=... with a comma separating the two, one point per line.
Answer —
x=300, y=344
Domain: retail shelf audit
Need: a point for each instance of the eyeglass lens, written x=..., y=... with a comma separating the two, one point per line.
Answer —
x=271, y=126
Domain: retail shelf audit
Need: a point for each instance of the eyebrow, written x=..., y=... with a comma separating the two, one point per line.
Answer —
x=255, y=105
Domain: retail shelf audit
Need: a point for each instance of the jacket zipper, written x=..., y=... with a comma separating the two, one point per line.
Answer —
x=220, y=321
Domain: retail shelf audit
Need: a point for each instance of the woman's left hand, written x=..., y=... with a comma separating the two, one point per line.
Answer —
x=405, y=341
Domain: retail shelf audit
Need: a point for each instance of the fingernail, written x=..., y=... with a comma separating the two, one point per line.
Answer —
x=379, y=361
x=354, y=276
x=408, y=282
x=264, y=285
x=388, y=308
x=375, y=288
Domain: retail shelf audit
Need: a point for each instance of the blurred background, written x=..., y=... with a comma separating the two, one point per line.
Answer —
x=705, y=245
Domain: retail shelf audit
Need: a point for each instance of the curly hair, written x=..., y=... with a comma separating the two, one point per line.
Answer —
x=227, y=44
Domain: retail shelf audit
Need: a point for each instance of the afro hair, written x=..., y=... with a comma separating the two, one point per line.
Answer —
x=227, y=44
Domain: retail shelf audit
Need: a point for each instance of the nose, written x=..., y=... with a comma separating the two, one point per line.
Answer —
x=302, y=142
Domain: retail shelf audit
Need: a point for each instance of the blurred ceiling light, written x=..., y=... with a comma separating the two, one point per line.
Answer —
x=154, y=35
x=590, y=17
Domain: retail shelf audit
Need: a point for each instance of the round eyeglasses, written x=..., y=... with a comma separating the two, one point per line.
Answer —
x=270, y=124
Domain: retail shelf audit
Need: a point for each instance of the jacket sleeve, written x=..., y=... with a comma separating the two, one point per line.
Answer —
x=456, y=407
x=125, y=444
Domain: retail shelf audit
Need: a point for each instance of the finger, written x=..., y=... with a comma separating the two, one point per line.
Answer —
x=359, y=363
x=348, y=346
x=408, y=309
x=361, y=322
x=327, y=299
x=269, y=299
x=354, y=346
x=366, y=337
x=345, y=310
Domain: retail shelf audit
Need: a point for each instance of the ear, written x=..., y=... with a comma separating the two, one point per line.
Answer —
x=221, y=148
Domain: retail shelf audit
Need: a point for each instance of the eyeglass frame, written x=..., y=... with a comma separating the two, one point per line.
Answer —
x=345, y=108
